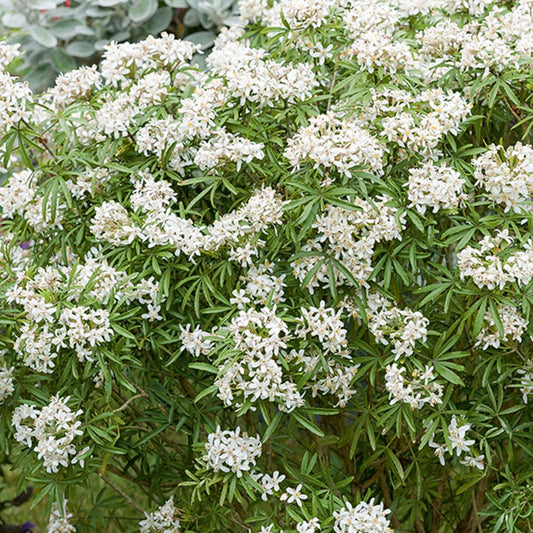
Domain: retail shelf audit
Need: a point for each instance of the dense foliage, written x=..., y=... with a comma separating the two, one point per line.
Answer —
x=288, y=293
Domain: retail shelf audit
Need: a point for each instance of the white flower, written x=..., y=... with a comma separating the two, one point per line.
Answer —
x=293, y=495
x=162, y=520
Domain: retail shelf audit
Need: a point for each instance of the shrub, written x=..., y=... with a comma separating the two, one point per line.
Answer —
x=291, y=292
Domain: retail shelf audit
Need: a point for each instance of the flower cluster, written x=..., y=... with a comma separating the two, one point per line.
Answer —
x=162, y=520
x=349, y=236
x=58, y=316
x=231, y=451
x=15, y=95
x=257, y=374
x=363, y=518
x=401, y=327
x=513, y=324
x=6, y=382
x=416, y=390
x=507, y=175
x=437, y=187
x=50, y=432
x=60, y=519
x=488, y=268
x=334, y=141
x=458, y=443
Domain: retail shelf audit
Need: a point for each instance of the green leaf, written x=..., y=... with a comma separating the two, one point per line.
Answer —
x=275, y=422
x=62, y=61
x=142, y=10
x=203, y=38
x=443, y=369
x=307, y=424
x=14, y=20
x=43, y=36
x=123, y=331
x=65, y=28
x=160, y=21
x=204, y=367
x=80, y=49
x=395, y=463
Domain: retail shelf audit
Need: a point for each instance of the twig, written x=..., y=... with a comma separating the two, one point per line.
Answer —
x=125, y=405
x=123, y=494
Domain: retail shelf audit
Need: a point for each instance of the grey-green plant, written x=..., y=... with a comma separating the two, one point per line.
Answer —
x=58, y=35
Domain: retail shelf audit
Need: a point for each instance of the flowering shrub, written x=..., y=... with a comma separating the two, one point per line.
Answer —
x=288, y=293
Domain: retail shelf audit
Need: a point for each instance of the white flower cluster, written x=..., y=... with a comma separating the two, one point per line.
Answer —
x=499, y=38
x=363, y=518
x=14, y=95
x=60, y=519
x=225, y=146
x=115, y=117
x=338, y=382
x=196, y=341
x=6, y=382
x=306, y=13
x=325, y=324
x=125, y=61
x=88, y=182
x=19, y=196
x=402, y=327
x=513, y=324
x=197, y=120
x=159, y=226
x=420, y=388
x=308, y=526
x=487, y=269
x=332, y=140
x=507, y=175
x=74, y=86
x=86, y=327
x=231, y=451
x=376, y=15
x=163, y=520
x=419, y=122
x=111, y=223
x=257, y=374
x=50, y=432
x=248, y=77
x=270, y=484
x=459, y=443
x=377, y=50
x=260, y=286
x=349, y=236
x=8, y=52
x=437, y=187
x=53, y=324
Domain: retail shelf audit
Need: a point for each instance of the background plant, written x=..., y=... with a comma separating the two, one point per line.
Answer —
x=58, y=36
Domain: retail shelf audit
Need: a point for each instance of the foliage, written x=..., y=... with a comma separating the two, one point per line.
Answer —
x=290, y=292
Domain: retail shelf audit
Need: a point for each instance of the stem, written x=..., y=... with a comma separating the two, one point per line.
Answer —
x=123, y=494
